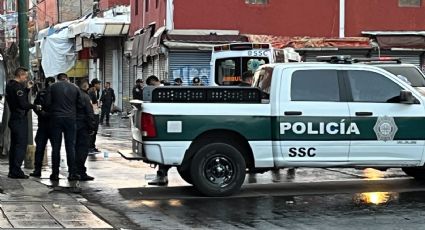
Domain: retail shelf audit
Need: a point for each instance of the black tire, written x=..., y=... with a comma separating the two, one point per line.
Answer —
x=185, y=174
x=218, y=169
x=416, y=172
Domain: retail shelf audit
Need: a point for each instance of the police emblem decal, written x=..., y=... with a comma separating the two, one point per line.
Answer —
x=385, y=128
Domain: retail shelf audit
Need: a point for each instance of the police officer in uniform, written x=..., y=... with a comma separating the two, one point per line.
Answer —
x=63, y=98
x=107, y=99
x=138, y=90
x=94, y=93
x=85, y=125
x=17, y=99
x=43, y=131
x=247, y=78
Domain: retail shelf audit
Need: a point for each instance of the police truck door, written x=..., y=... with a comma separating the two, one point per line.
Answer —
x=314, y=119
x=390, y=132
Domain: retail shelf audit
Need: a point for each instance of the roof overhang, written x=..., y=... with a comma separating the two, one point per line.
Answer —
x=394, y=33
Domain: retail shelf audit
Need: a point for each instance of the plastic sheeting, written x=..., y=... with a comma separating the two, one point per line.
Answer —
x=58, y=53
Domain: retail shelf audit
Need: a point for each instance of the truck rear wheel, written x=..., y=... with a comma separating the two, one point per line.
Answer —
x=185, y=174
x=417, y=172
x=218, y=169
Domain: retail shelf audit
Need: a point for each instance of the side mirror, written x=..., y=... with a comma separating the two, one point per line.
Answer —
x=406, y=97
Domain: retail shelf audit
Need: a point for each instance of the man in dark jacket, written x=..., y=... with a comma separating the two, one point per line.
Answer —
x=62, y=100
x=107, y=99
x=43, y=131
x=94, y=94
x=85, y=125
x=138, y=90
x=17, y=100
x=247, y=78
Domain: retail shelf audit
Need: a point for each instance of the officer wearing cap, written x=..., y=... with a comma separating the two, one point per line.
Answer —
x=178, y=82
x=17, y=99
x=138, y=90
x=196, y=81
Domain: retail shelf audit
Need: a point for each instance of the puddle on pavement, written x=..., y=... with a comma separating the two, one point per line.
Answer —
x=375, y=198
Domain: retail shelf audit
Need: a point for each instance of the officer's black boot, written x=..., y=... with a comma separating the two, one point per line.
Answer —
x=36, y=173
x=161, y=178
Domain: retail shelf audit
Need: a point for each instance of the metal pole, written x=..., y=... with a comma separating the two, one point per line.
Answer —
x=23, y=34
x=81, y=8
x=24, y=62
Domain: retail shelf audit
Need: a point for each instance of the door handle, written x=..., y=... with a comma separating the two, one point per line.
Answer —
x=293, y=113
x=364, y=113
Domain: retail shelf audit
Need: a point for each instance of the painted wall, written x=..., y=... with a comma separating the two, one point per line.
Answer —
x=382, y=15
x=107, y=4
x=140, y=18
x=318, y=18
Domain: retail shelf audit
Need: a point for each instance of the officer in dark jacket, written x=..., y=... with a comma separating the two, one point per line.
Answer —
x=107, y=99
x=247, y=78
x=94, y=93
x=17, y=99
x=138, y=90
x=43, y=131
x=62, y=100
x=85, y=125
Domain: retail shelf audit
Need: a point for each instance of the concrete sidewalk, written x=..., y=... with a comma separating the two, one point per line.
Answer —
x=27, y=203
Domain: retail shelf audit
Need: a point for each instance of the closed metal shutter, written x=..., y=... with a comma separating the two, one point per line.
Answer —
x=155, y=62
x=406, y=57
x=139, y=72
x=187, y=65
x=147, y=68
x=107, y=77
x=310, y=56
x=126, y=84
x=163, y=67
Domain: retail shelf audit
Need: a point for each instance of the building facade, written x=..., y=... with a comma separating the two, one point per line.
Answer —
x=322, y=27
x=98, y=39
x=320, y=18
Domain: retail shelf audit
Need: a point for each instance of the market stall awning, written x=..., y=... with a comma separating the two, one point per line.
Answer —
x=398, y=39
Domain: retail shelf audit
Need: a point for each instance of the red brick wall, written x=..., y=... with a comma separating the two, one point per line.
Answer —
x=318, y=18
x=107, y=4
x=143, y=19
x=382, y=15
x=47, y=13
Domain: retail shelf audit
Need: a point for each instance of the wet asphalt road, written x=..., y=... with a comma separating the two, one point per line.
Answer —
x=299, y=199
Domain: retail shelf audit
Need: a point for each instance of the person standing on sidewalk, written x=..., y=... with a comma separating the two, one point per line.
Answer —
x=107, y=99
x=138, y=90
x=94, y=93
x=62, y=100
x=43, y=131
x=162, y=173
x=85, y=125
x=17, y=100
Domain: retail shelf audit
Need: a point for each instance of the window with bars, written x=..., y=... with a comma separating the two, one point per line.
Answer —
x=409, y=3
x=257, y=2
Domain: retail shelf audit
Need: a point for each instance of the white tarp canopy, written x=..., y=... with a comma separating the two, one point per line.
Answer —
x=99, y=27
x=57, y=52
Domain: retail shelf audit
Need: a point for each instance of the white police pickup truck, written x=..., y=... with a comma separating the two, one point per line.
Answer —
x=299, y=115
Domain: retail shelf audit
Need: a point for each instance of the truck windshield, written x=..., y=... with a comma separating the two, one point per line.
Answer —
x=413, y=75
x=228, y=71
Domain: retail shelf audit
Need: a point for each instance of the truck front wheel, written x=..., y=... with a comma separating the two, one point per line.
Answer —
x=218, y=169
